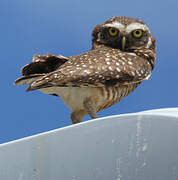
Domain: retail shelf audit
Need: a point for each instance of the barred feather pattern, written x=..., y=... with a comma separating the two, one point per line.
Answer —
x=113, y=94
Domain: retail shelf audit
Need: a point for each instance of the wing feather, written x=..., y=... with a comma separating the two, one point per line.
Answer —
x=107, y=69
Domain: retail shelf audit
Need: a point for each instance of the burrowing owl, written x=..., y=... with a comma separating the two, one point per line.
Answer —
x=121, y=57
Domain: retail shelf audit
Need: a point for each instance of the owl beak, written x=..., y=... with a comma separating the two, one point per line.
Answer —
x=123, y=43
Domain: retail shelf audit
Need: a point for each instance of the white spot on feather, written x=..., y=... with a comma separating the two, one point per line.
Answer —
x=132, y=54
x=86, y=71
x=71, y=72
x=133, y=74
x=118, y=69
x=56, y=76
x=110, y=68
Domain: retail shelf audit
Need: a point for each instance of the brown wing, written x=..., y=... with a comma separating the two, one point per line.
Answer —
x=39, y=66
x=97, y=67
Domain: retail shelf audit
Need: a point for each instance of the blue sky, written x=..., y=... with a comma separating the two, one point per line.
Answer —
x=64, y=27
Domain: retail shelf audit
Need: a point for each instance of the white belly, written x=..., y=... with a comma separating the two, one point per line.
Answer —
x=74, y=97
x=103, y=97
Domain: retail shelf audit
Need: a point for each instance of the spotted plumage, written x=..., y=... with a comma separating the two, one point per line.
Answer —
x=122, y=56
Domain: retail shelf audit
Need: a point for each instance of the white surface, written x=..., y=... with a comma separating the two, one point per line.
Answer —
x=139, y=146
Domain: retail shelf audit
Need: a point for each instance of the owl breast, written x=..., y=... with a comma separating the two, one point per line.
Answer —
x=103, y=97
x=112, y=94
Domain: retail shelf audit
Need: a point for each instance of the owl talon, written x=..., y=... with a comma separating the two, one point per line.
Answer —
x=76, y=117
x=90, y=107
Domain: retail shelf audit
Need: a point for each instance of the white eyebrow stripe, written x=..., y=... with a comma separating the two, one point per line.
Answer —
x=134, y=26
x=128, y=28
x=116, y=24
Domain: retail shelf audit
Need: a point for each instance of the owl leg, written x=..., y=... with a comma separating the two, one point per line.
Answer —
x=90, y=107
x=76, y=117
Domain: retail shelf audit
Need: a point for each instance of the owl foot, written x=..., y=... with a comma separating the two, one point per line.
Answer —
x=90, y=107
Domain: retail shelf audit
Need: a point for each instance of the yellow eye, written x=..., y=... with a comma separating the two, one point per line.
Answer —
x=113, y=31
x=138, y=33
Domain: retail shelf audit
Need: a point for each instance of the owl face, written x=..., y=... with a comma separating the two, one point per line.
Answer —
x=123, y=33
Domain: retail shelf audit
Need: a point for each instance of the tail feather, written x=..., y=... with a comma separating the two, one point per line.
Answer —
x=27, y=80
x=43, y=64
x=39, y=67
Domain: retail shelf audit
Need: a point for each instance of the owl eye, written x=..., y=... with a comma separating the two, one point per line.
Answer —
x=138, y=33
x=113, y=31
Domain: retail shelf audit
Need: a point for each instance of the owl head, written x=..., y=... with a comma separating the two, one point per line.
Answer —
x=126, y=34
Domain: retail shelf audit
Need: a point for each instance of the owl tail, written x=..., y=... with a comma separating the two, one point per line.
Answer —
x=27, y=80
x=39, y=67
